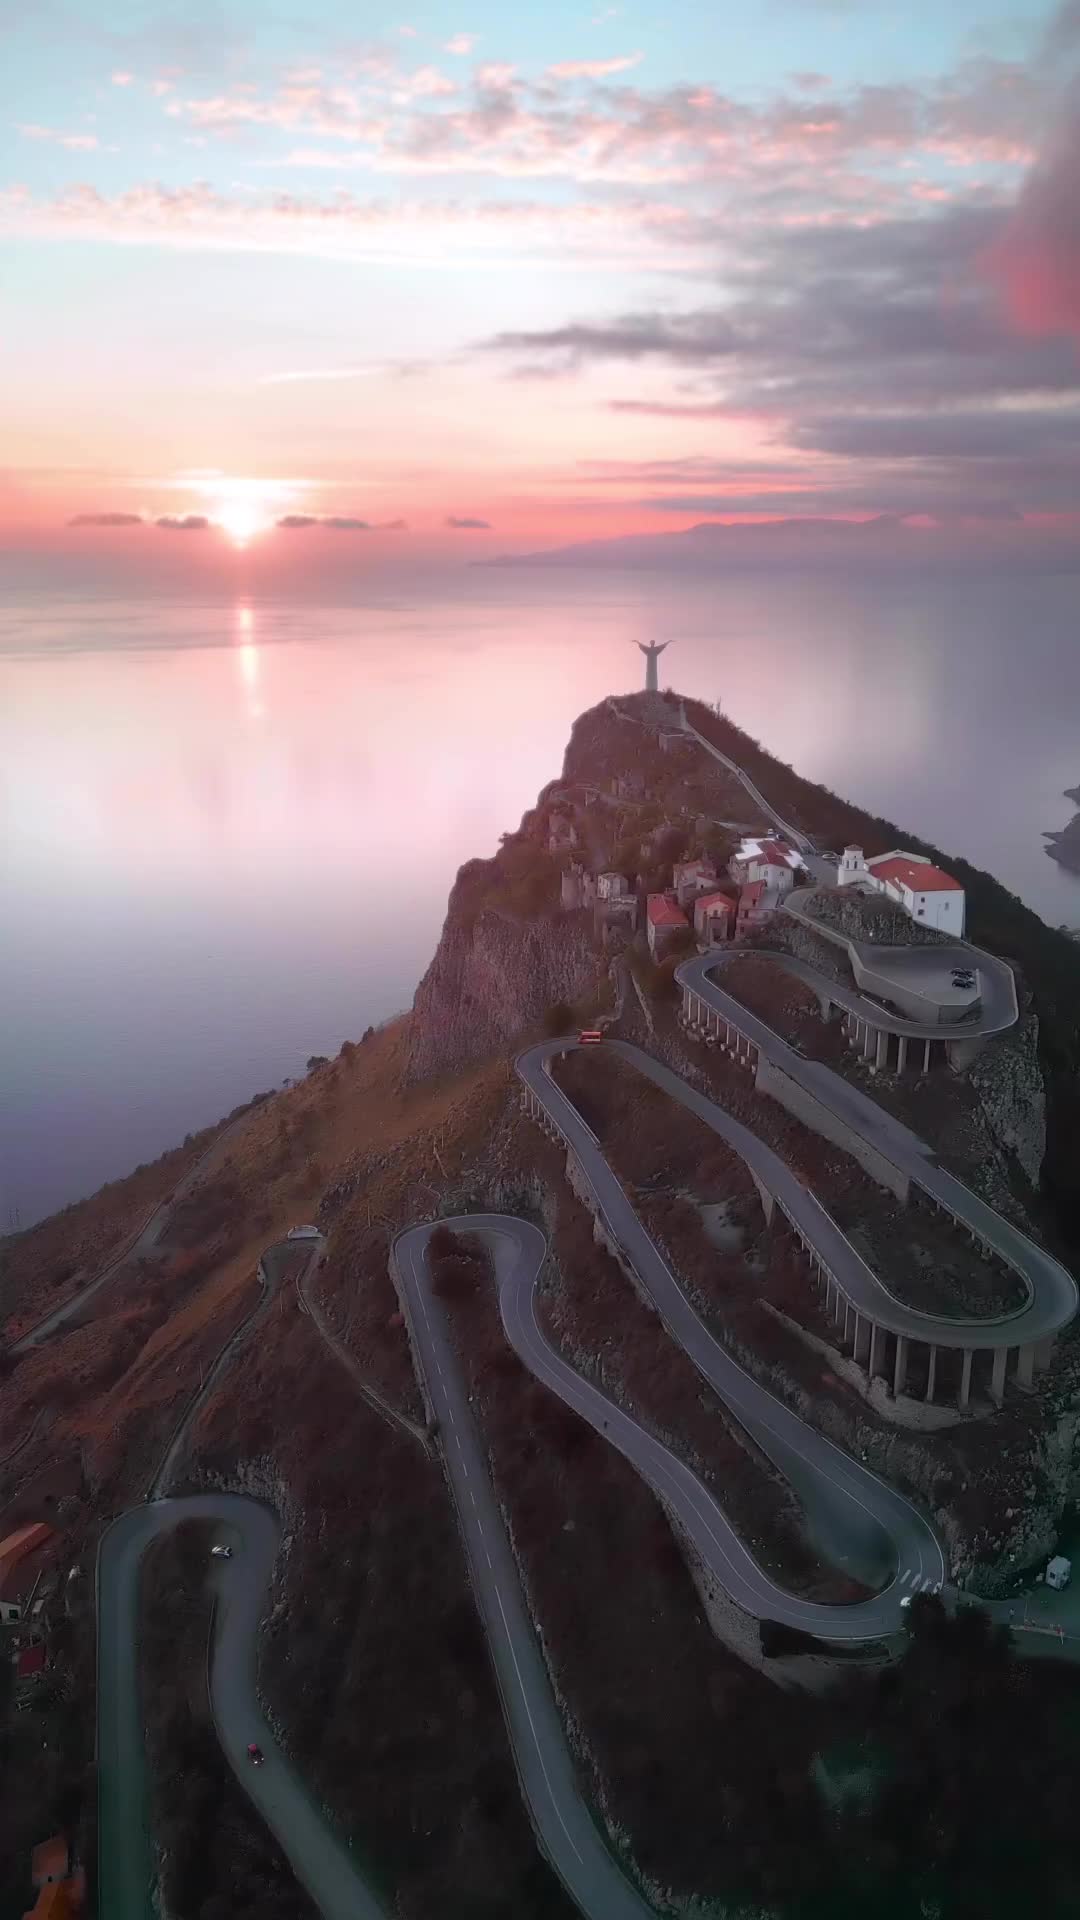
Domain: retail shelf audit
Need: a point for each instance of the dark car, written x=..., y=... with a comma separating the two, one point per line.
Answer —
x=255, y=1754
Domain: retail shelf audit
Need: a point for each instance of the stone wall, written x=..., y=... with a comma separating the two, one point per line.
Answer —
x=814, y=1114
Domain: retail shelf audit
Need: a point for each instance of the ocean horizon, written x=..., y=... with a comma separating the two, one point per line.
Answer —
x=231, y=823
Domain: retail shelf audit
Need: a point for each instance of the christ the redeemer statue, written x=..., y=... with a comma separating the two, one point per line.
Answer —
x=652, y=654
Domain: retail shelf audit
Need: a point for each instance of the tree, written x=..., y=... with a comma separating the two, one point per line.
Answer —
x=317, y=1060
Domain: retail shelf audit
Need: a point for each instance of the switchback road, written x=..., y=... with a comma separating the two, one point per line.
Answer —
x=567, y=1832
x=1051, y=1291
x=862, y=1522
x=319, y=1859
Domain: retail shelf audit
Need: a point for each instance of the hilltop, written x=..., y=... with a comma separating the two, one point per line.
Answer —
x=373, y=1663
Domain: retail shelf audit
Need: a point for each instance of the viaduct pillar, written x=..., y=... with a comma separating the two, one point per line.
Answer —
x=965, y=1381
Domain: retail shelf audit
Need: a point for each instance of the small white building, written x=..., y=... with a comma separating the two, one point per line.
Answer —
x=610, y=886
x=1058, y=1572
x=304, y=1233
x=768, y=859
x=931, y=897
x=10, y=1613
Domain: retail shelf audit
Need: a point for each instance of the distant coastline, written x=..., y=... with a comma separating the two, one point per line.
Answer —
x=1064, y=844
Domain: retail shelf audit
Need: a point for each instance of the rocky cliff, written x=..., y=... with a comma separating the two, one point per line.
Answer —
x=1009, y=1082
x=493, y=978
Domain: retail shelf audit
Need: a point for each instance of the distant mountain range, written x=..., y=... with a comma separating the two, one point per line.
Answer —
x=887, y=541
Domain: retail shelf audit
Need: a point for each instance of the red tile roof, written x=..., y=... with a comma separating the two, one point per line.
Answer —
x=705, y=902
x=750, y=895
x=919, y=875
x=663, y=912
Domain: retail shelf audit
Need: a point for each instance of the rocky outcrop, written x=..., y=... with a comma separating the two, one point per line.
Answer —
x=869, y=917
x=1008, y=1080
x=492, y=980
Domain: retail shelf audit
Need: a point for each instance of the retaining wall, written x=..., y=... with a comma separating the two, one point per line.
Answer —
x=806, y=1107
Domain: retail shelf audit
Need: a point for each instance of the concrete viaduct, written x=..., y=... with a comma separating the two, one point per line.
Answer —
x=881, y=1333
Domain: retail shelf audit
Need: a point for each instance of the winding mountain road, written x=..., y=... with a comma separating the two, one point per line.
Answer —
x=858, y=1520
x=877, y=966
x=142, y=1243
x=319, y=1859
x=565, y=1828
x=718, y=1545
x=1051, y=1292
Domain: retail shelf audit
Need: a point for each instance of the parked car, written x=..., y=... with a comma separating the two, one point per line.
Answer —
x=221, y=1553
x=591, y=1037
x=255, y=1754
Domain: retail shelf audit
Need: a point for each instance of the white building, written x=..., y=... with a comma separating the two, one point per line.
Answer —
x=1058, y=1572
x=770, y=860
x=609, y=886
x=930, y=896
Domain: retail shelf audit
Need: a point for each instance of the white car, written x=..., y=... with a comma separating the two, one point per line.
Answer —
x=221, y=1553
x=304, y=1233
x=906, y=1601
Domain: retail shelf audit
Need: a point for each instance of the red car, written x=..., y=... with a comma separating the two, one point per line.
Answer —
x=255, y=1754
x=590, y=1038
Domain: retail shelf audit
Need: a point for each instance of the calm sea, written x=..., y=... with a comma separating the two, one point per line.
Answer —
x=229, y=829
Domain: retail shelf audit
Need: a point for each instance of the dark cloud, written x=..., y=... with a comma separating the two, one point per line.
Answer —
x=1004, y=432
x=183, y=522
x=882, y=357
x=465, y=525
x=340, y=523
x=106, y=520
x=698, y=338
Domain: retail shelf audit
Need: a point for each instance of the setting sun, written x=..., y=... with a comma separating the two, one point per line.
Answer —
x=240, y=519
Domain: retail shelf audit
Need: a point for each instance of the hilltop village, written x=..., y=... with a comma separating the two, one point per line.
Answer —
x=666, y=1328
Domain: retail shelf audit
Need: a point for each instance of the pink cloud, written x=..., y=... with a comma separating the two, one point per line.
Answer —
x=574, y=122
x=122, y=79
x=461, y=43
x=85, y=142
x=1037, y=260
x=594, y=69
x=346, y=226
x=425, y=84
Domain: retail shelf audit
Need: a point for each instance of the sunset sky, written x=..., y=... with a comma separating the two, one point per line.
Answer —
x=474, y=279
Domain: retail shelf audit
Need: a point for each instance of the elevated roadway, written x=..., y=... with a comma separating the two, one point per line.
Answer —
x=852, y=1513
x=1050, y=1291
